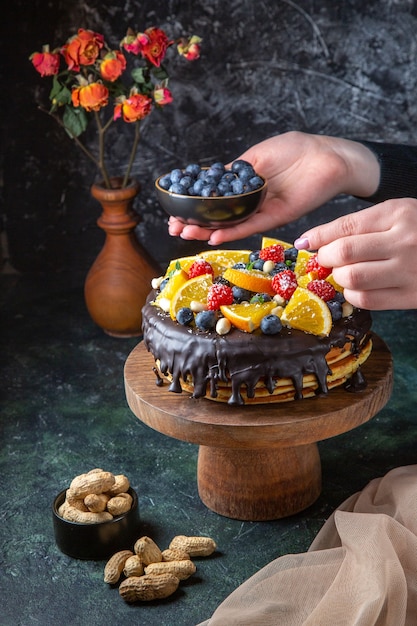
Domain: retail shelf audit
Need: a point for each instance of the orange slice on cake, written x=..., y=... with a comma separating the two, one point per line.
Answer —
x=305, y=279
x=271, y=241
x=193, y=290
x=177, y=279
x=306, y=311
x=252, y=280
x=183, y=263
x=221, y=259
x=332, y=281
x=247, y=316
x=303, y=257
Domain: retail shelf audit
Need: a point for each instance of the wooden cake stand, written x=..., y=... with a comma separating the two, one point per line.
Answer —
x=257, y=462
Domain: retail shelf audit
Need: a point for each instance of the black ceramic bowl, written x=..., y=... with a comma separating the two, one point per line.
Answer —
x=96, y=541
x=218, y=212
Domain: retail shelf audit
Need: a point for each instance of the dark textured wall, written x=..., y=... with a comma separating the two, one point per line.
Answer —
x=267, y=66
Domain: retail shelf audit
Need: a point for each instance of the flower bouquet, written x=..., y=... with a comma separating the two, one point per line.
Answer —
x=92, y=84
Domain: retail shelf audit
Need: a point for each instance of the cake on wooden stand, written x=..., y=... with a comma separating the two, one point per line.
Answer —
x=251, y=355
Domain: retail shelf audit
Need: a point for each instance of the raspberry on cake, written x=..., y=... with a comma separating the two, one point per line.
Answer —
x=323, y=289
x=242, y=335
x=314, y=267
x=218, y=295
x=285, y=283
x=273, y=253
x=199, y=267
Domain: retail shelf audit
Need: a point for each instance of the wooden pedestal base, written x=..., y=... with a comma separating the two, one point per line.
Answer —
x=258, y=485
x=257, y=462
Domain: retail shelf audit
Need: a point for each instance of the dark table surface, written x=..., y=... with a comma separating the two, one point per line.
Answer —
x=64, y=411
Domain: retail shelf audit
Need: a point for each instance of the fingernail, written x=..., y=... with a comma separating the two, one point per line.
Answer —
x=301, y=243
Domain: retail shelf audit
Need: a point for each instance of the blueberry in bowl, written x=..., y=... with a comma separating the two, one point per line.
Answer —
x=213, y=197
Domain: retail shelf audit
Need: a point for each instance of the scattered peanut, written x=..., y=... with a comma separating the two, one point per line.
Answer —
x=195, y=546
x=223, y=326
x=133, y=566
x=180, y=569
x=278, y=311
x=347, y=309
x=164, y=304
x=268, y=266
x=148, y=587
x=279, y=300
x=147, y=550
x=156, y=282
x=174, y=554
x=197, y=306
x=96, y=493
x=114, y=566
x=152, y=574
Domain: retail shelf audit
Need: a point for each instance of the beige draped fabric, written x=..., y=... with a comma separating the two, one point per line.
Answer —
x=361, y=570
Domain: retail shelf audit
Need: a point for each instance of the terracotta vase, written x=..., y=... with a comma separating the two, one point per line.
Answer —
x=119, y=280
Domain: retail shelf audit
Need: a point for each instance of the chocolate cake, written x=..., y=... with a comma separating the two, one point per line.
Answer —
x=261, y=366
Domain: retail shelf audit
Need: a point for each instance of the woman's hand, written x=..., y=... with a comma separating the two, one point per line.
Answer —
x=303, y=171
x=373, y=254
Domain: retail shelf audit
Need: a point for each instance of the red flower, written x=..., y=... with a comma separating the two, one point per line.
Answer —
x=162, y=96
x=153, y=44
x=134, y=108
x=112, y=66
x=90, y=97
x=189, y=48
x=82, y=49
x=46, y=63
x=130, y=42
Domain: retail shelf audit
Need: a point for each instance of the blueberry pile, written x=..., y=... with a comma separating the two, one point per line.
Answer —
x=214, y=181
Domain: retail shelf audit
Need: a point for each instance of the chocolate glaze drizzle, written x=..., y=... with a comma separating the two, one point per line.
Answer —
x=244, y=357
x=357, y=382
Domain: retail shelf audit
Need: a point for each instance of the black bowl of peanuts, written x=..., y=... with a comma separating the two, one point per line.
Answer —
x=97, y=515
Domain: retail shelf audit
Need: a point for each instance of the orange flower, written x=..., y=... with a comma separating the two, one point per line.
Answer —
x=90, y=97
x=46, y=63
x=112, y=66
x=134, y=108
x=82, y=49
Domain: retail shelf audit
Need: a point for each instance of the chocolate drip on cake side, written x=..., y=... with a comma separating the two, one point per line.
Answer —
x=244, y=358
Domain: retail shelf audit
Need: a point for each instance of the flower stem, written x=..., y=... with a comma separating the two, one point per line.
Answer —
x=101, y=133
x=132, y=154
x=98, y=163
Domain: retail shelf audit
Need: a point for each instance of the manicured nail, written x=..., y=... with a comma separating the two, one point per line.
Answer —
x=302, y=243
